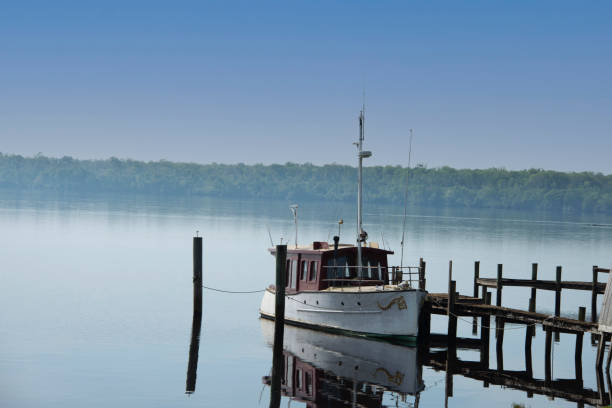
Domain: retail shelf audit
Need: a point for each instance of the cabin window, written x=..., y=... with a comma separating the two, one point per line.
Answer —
x=376, y=272
x=338, y=268
x=288, y=273
x=314, y=265
x=308, y=383
x=290, y=372
x=304, y=272
x=294, y=273
x=298, y=379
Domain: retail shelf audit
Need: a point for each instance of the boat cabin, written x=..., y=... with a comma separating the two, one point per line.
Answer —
x=319, y=266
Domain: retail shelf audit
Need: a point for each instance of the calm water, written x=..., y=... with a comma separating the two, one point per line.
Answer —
x=95, y=294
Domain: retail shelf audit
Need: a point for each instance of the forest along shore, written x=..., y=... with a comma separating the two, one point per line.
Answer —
x=533, y=189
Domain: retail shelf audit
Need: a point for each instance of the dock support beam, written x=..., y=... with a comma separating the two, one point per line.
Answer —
x=557, y=298
x=578, y=352
x=498, y=297
x=422, y=274
x=451, y=354
x=476, y=276
x=528, y=340
x=532, y=299
x=485, y=330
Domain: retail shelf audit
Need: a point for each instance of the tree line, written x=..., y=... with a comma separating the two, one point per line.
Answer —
x=533, y=189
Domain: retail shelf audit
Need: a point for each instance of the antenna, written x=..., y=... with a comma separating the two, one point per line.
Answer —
x=294, y=208
x=270, y=235
x=410, y=149
x=361, y=154
x=406, y=202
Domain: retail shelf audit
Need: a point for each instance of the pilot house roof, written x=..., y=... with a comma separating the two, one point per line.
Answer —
x=320, y=247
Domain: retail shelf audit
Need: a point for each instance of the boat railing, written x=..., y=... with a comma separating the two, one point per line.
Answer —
x=374, y=274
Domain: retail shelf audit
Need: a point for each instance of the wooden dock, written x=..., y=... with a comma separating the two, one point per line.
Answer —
x=481, y=311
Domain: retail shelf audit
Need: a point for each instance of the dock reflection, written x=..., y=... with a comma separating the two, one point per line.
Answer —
x=322, y=369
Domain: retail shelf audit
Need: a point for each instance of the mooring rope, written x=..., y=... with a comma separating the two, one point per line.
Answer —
x=233, y=291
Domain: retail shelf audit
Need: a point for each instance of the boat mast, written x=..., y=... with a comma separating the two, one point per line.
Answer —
x=361, y=154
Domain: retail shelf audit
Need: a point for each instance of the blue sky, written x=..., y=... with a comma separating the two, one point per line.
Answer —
x=511, y=84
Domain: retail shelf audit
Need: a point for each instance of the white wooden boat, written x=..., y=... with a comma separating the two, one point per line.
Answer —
x=349, y=288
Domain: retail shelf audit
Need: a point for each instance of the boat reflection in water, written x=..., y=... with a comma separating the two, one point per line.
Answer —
x=322, y=369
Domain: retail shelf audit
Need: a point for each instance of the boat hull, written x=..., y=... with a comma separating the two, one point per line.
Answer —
x=389, y=314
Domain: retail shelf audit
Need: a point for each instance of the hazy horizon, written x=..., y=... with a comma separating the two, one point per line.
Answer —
x=293, y=162
x=512, y=85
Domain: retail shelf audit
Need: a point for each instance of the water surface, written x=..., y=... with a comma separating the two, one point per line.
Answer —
x=95, y=293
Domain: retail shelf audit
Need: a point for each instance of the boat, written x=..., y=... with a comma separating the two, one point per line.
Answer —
x=349, y=288
x=320, y=368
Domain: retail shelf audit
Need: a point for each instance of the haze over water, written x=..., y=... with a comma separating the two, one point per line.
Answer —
x=95, y=293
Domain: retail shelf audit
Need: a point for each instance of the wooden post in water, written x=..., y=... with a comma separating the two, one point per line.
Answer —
x=196, y=325
x=425, y=325
x=557, y=298
x=197, y=274
x=476, y=276
x=279, y=326
x=594, y=302
x=421, y=274
x=578, y=352
x=528, y=340
x=498, y=297
x=452, y=317
x=532, y=300
x=547, y=356
x=485, y=330
x=451, y=353
x=594, y=295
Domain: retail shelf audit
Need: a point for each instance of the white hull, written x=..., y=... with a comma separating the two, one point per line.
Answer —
x=393, y=367
x=385, y=314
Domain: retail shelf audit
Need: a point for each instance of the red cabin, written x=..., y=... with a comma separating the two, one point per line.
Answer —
x=319, y=266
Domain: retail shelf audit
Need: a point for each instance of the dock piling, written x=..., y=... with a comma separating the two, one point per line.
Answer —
x=196, y=324
x=279, y=326
x=532, y=299
x=451, y=353
x=498, y=298
x=557, y=298
x=421, y=274
x=579, y=340
x=197, y=274
x=476, y=276
x=485, y=330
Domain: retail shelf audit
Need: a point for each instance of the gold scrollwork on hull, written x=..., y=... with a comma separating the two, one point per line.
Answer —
x=399, y=301
x=395, y=379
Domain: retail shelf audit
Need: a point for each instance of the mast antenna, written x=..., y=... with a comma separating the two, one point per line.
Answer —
x=361, y=154
x=406, y=202
x=294, y=209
